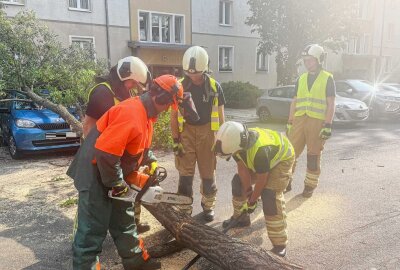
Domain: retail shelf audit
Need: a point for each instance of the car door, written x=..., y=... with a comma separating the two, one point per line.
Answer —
x=278, y=103
x=289, y=94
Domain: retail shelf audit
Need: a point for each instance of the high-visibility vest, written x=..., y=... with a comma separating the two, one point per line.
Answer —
x=132, y=93
x=312, y=102
x=268, y=137
x=214, y=110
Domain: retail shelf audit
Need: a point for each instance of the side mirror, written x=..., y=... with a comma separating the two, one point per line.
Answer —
x=5, y=110
x=349, y=91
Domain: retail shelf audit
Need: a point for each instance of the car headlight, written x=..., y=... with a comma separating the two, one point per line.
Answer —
x=22, y=123
x=342, y=106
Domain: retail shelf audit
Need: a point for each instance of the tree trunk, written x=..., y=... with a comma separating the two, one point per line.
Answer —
x=222, y=250
x=76, y=126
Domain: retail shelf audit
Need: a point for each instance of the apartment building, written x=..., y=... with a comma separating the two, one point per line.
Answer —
x=101, y=24
x=161, y=31
x=219, y=26
x=374, y=53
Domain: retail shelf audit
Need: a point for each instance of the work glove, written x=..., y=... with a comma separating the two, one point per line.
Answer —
x=288, y=128
x=153, y=167
x=178, y=148
x=249, y=207
x=326, y=131
x=120, y=189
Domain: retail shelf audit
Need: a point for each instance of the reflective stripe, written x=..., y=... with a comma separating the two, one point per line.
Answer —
x=214, y=109
x=308, y=108
x=314, y=100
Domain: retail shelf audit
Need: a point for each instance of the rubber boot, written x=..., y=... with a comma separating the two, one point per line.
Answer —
x=279, y=250
x=242, y=221
x=308, y=192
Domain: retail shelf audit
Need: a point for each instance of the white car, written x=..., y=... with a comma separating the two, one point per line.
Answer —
x=350, y=110
x=275, y=104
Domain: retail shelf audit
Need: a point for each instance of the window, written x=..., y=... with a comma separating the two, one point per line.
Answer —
x=354, y=45
x=390, y=32
x=14, y=2
x=178, y=29
x=363, y=8
x=225, y=59
x=262, y=63
x=161, y=28
x=388, y=64
x=84, y=43
x=342, y=86
x=144, y=27
x=79, y=4
x=367, y=43
x=225, y=12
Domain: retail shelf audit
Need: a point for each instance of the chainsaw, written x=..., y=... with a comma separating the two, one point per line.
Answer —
x=145, y=188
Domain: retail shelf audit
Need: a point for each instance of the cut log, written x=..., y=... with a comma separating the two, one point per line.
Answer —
x=222, y=250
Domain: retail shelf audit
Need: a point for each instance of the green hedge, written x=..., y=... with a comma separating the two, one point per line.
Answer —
x=240, y=95
x=162, y=138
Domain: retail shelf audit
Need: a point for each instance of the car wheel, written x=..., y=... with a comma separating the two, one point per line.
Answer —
x=264, y=114
x=12, y=148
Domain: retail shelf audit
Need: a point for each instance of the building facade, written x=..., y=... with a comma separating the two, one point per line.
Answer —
x=219, y=26
x=161, y=31
x=374, y=53
x=101, y=24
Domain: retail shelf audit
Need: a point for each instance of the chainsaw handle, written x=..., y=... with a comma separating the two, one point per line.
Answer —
x=158, y=176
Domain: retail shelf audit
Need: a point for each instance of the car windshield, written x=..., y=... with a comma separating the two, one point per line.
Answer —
x=24, y=105
x=362, y=86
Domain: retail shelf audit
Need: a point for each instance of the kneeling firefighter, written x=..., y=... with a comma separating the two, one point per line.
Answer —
x=264, y=159
x=112, y=151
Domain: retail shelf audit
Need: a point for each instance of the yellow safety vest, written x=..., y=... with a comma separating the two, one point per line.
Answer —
x=312, y=102
x=132, y=93
x=106, y=84
x=268, y=137
x=214, y=110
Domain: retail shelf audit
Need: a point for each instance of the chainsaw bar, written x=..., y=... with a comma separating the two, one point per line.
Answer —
x=173, y=198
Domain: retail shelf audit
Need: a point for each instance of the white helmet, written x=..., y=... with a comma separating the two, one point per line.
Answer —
x=195, y=60
x=315, y=51
x=132, y=68
x=231, y=137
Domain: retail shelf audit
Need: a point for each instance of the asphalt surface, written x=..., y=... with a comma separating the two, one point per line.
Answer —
x=351, y=222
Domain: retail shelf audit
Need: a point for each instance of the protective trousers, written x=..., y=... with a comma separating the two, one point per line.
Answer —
x=272, y=198
x=96, y=214
x=305, y=132
x=197, y=142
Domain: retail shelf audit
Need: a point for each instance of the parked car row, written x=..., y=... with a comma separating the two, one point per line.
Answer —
x=25, y=127
x=356, y=101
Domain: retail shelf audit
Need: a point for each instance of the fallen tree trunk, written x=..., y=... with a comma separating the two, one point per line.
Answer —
x=222, y=250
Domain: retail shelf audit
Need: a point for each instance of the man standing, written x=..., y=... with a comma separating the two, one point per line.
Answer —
x=264, y=158
x=311, y=114
x=112, y=151
x=129, y=73
x=193, y=140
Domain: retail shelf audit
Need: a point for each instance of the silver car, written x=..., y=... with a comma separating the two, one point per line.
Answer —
x=275, y=104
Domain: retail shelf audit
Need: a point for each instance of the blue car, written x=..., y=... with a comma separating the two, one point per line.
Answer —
x=25, y=127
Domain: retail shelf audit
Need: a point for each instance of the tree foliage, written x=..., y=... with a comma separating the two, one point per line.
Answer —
x=32, y=58
x=287, y=26
x=240, y=95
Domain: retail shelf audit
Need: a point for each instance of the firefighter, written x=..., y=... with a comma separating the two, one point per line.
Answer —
x=112, y=151
x=264, y=158
x=130, y=73
x=194, y=138
x=311, y=114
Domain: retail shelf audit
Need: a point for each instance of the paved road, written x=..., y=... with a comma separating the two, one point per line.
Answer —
x=352, y=221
